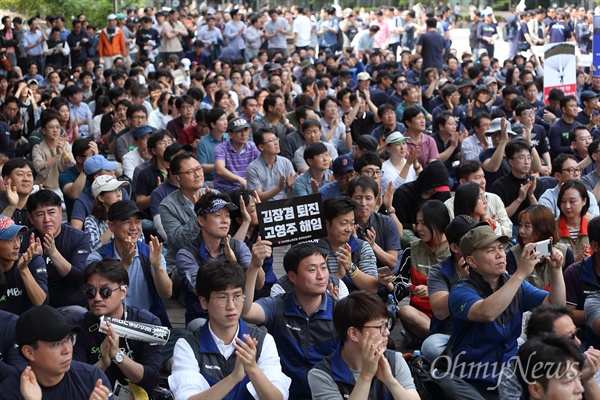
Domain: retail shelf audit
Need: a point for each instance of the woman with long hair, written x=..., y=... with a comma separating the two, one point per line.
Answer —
x=64, y=118
x=430, y=249
x=106, y=190
x=574, y=202
x=156, y=119
x=537, y=223
x=470, y=199
x=224, y=101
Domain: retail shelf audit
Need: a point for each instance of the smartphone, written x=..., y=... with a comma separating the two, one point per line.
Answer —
x=544, y=247
x=384, y=271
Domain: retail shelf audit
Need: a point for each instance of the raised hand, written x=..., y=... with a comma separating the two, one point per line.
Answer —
x=334, y=291
x=261, y=250
x=246, y=352
x=100, y=391
x=11, y=193
x=528, y=260
x=128, y=253
x=155, y=251
x=229, y=254
x=49, y=245
x=30, y=389
x=27, y=256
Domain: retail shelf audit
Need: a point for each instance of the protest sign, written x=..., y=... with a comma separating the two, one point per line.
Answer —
x=291, y=221
x=560, y=68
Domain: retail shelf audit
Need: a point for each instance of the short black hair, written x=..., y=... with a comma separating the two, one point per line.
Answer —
x=594, y=230
x=466, y=168
x=356, y=311
x=314, y=149
x=367, y=158
x=175, y=163
x=559, y=160
x=43, y=198
x=80, y=146
x=515, y=147
x=108, y=268
x=542, y=319
x=15, y=163
x=297, y=253
x=336, y=206
x=410, y=113
x=215, y=276
x=365, y=183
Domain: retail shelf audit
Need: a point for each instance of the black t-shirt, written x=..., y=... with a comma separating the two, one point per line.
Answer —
x=558, y=136
x=147, y=181
x=15, y=300
x=441, y=146
x=433, y=49
x=74, y=245
x=491, y=177
x=19, y=216
x=508, y=187
x=11, y=361
x=78, y=383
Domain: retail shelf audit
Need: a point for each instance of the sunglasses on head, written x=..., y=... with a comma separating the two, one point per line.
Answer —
x=105, y=291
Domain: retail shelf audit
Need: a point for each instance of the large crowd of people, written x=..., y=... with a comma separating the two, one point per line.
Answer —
x=134, y=157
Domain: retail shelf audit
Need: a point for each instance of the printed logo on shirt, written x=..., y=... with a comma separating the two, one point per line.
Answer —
x=212, y=367
x=14, y=292
x=83, y=251
x=463, y=306
x=294, y=328
x=41, y=271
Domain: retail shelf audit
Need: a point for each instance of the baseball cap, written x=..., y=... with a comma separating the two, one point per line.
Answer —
x=237, y=124
x=487, y=11
x=460, y=225
x=216, y=205
x=124, y=209
x=496, y=125
x=478, y=89
x=442, y=82
x=363, y=76
x=464, y=82
x=478, y=238
x=342, y=165
x=588, y=95
x=142, y=131
x=106, y=183
x=395, y=137
x=96, y=163
x=367, y=143
x=43, y=323
x=489, y=80
x=174, y=149
x=30, y=81
x=8, y=228
x=121, y=16
x=384, y=74
x=111, y=17
x=319, y=61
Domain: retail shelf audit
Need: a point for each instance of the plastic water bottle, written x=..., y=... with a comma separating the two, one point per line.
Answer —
x=391, y=306
x=417, y=356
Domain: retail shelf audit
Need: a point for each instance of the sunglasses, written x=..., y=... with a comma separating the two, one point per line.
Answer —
x=105, y=291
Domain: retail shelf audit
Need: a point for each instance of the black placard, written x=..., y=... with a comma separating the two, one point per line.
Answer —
x=291, y=221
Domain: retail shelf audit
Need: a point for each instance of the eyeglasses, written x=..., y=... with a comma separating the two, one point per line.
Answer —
x=69, y=341
x=276, y=140
x=572, y=170
x=105, y=292
x=222, y=300
x=402, y=81
x=164, y=143
x=386, y=325
x=191, y=172
x=482, y=197
x=371, y=172
x=53, y=127
x=17, y=239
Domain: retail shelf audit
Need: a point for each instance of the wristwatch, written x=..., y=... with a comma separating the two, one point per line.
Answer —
x=119, y=358
x=352, y=270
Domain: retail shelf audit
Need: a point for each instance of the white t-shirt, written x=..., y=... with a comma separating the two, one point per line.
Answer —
x=302, y=26
x=390, y=174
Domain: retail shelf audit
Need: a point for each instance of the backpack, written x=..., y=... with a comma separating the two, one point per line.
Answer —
x=505, y=32
x=427, y=386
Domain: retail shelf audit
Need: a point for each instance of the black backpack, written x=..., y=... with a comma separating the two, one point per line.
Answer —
x=427, y=386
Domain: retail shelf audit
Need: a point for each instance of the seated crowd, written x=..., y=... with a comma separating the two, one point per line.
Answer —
x=131, y=178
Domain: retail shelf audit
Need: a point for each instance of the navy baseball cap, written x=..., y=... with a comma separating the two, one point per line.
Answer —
x=142, y=131
x=8, y=228
x=216, y=205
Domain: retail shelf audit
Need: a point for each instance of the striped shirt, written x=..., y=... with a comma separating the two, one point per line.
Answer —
x=235, y=162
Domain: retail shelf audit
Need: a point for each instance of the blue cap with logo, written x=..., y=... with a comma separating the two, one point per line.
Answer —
x=8, y=228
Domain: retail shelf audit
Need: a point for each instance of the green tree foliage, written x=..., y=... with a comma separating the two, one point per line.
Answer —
x=94, y=10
